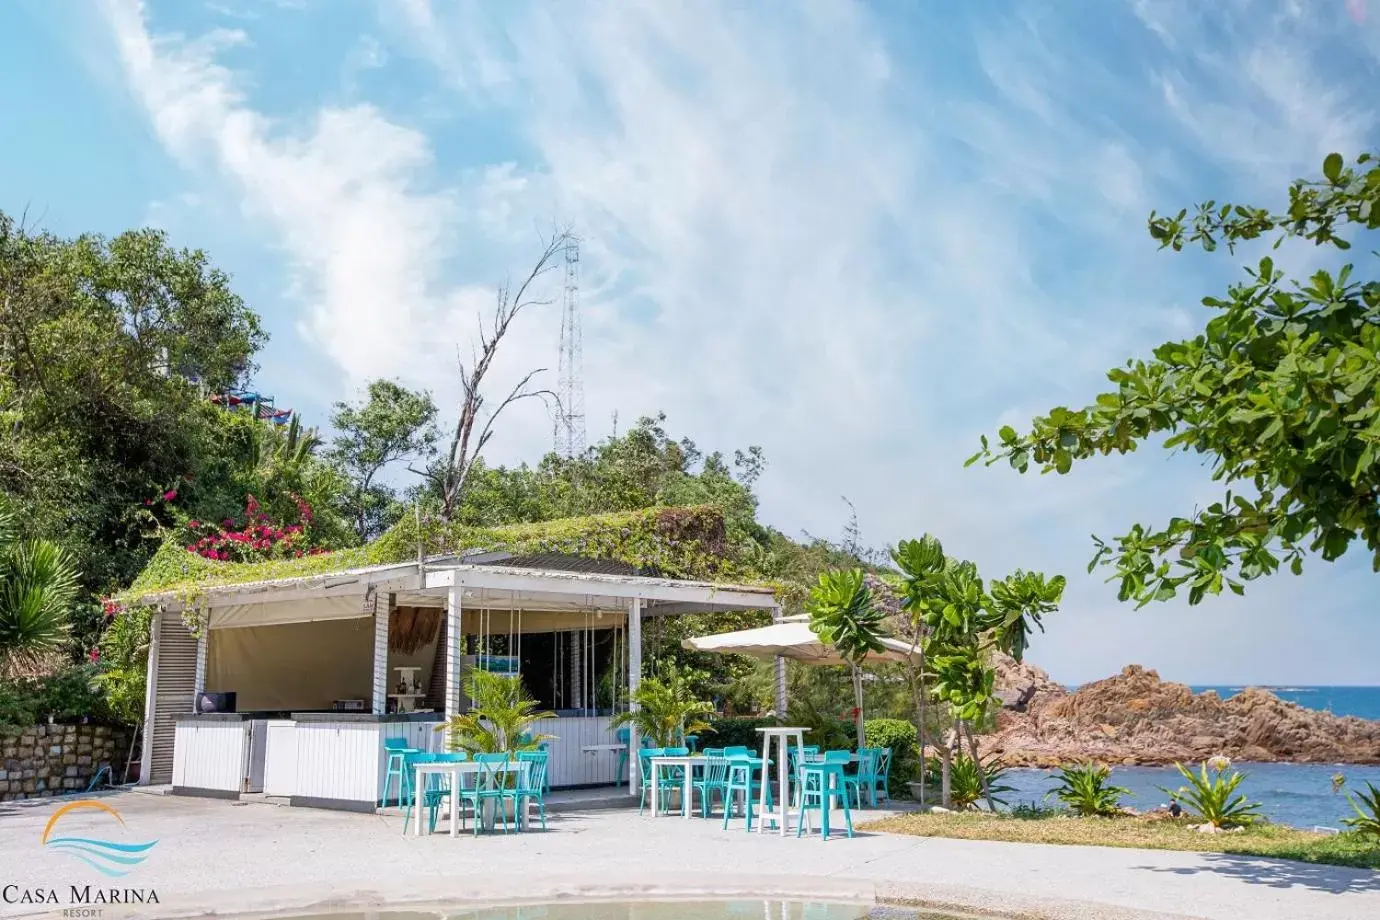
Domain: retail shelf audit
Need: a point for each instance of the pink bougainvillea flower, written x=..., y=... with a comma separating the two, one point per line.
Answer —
x=94, y=655
x=169, y=495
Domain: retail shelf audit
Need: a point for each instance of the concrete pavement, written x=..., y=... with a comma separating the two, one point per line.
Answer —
x=224, y=857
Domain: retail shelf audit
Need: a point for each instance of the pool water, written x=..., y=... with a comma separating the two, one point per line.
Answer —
x=655, y=910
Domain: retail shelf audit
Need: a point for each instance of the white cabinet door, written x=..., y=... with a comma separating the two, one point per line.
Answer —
x=280, y=760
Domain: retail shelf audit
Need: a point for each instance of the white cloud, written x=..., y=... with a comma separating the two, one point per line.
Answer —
x=793, y=237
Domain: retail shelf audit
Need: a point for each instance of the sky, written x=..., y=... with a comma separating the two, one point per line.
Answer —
x=858, y=235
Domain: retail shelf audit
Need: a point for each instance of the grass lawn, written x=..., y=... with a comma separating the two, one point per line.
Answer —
x=1261, y=840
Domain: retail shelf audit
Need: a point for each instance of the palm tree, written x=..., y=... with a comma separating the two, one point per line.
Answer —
x=843, y=615
x=500, y=715
x=38, y=586
x=666, y=711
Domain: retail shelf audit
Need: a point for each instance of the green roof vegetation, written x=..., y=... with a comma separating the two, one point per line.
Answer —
x=688, y=543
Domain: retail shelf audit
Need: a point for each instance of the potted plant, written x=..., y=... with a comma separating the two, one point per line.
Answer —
x=499, y=721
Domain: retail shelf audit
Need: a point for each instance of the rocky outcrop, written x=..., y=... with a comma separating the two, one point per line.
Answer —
x=1136, y=718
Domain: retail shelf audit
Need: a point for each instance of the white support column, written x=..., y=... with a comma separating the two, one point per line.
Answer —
x=634, y=678
x=199, y=682
x=781, y=701
x=577, y=668
x=380, y=698
x=150, y=696
x=454, y=638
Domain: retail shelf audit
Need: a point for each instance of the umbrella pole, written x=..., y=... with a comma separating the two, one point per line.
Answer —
x=858, y=703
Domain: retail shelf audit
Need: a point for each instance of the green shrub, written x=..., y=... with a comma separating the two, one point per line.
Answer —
x=66, y=696
x=965, y=780
x=724, y=733
x=1367, y=820
x=1084, y=790
x=900, y=736
x=1214, y=798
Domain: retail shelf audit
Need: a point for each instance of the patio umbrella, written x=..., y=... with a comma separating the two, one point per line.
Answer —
x=793, y=638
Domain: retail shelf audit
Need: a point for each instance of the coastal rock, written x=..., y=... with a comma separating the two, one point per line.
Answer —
x=1137, y=718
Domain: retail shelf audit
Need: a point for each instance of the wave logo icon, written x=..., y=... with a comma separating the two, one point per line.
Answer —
x=108, y=857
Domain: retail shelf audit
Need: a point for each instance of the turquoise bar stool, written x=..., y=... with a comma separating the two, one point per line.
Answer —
x=398, y=749
x=742, y=780
x=821, y=783
x=533, y=785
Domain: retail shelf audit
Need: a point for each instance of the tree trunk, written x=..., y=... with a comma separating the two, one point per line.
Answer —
x=977, y=762
x=947, y=752
x=858, y=704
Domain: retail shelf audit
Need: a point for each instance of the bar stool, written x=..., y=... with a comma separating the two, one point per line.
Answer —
x=820, y=784
x=398, y=749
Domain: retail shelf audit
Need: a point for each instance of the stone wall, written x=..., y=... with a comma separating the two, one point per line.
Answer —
x=49, y=760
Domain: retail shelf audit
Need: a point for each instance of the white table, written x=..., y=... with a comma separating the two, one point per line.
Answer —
x=690, y=763
x=455, y=770
x=782, y=736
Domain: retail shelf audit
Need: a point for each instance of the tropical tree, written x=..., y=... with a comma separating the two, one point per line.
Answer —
x=38, y=588
x=843, y=615
x=958, y=621
x=394, y=424
x=500, y=717
x=1279, y=390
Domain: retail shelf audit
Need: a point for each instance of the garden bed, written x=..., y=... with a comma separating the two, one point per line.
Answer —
x=1262, y=839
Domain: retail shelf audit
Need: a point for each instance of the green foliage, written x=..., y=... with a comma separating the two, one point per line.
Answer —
x=667, y=710
x=99, y=342
x=1281, y=390
x=901, y=737
x=395, y=424
x=1213, y=797
x=843, y=615
x=723, y=733
x=122, y=675
x=824, y=729
x=66, y=695
x=38, y=588
x=965, y=780
x=1084, y=790
x=501, y=714
x=1367, y=820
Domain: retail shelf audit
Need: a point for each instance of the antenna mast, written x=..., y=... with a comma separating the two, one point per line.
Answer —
x=570, y=384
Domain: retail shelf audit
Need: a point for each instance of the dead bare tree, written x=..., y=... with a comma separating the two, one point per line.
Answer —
x=450, y=475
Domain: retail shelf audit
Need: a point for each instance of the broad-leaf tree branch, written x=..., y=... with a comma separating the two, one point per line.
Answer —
x=1280, y=391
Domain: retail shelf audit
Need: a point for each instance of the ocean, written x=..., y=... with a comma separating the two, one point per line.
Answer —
x=1363, y=702
x=1297, y=794
x=1300, y=795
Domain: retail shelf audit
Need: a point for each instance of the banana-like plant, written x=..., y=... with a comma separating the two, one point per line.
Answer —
x=666, y=710
x=843, y=615
x=1213, y=797
x=1367, y=820
x=1084, y=790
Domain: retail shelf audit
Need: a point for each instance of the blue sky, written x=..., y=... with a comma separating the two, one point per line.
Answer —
x=859, y=235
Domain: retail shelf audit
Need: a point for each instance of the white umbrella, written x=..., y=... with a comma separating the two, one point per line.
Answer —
x=792, y=638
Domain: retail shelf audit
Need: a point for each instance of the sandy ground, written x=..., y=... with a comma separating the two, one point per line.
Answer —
x=222, y=857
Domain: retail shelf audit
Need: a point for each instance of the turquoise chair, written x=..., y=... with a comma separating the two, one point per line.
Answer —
x=884, y=774
x=713, y=778
x=397, y=748
x=865, y=778
x=742, y=780
x=645, y=763
x=533, y=785
x=714, y=752
x=821, y=783
x=490, y=788
x=737, y=751
x=435, y=791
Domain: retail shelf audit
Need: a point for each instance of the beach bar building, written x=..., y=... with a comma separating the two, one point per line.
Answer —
x=290, y=687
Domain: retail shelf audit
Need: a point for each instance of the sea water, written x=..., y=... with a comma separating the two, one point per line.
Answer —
x=1362, y=702
x=1297, y=794
x=1301, y=795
